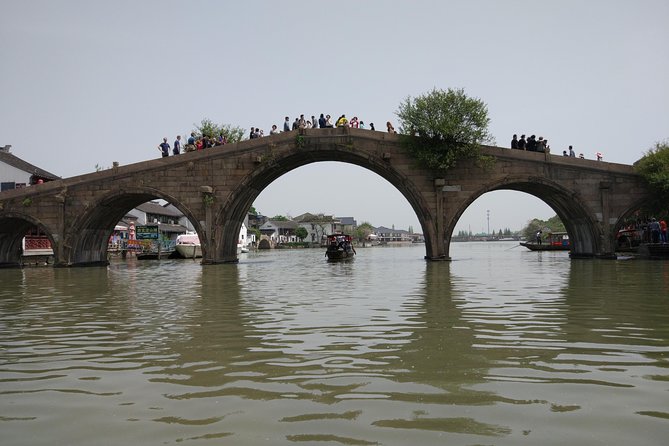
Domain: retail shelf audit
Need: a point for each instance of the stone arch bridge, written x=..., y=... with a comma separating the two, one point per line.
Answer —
x=215, y=188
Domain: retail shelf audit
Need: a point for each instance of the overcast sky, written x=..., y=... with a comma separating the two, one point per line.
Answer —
x=91, y=82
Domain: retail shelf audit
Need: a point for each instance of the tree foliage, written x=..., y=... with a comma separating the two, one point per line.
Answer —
x=442, y=127
x=279, y=218
x=212, y=130
x=301, y=233
x=363, y=230
x=553, y=224
x=654, y=168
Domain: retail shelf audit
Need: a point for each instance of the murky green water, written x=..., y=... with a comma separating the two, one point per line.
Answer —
x=499, y=347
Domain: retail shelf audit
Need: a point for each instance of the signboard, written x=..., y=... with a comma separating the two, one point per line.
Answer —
x=146, y=232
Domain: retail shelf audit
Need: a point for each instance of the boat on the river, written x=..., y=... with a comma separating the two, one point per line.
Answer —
x=553, y=241
x=654, y=250
x=638, y=240
x=339, y=247
x=188, y=245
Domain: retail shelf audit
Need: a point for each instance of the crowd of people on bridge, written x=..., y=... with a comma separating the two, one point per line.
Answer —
x=194, y=142
x=200, y=142
x=532, y=144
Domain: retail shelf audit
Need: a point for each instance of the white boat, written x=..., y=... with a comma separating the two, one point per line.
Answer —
x=188, y=245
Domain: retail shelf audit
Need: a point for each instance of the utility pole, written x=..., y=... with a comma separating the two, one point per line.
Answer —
x=488, y=215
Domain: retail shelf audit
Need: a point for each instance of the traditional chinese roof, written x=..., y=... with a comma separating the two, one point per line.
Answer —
x=9, y=158
x=157, y=209
x=348, y=221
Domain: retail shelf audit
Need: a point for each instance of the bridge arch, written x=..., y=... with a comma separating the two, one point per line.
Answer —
x=633, y=209
x=13, y=228
x=230, y=214
x=89, y=235
x=584, y=231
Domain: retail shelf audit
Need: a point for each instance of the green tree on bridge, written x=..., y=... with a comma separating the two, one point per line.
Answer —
x=442, y=127
x=654, y=168
x=210, y=129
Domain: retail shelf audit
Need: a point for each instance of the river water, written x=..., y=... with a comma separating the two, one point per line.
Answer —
x=501, y=346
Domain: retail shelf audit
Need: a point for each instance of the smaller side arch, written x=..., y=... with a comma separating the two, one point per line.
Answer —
x=87, y=237
x=584, y=231
x=13, y=228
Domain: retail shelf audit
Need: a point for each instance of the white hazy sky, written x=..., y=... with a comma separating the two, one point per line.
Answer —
x=90, y=82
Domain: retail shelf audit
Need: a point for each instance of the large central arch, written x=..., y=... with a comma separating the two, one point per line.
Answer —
x=229, y=216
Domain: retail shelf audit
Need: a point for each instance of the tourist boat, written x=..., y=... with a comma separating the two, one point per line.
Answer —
x=638, y=240
x=554, y=241
x=339, y=247
x=36, y=249
x=188, y=245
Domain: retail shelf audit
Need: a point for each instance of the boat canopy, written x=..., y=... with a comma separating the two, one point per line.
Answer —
x=339, y=237
x=188, y=239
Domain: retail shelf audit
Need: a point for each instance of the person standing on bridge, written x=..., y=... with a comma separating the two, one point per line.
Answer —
x=164, y=147
x=514, y=142
x=571, y=152
x=522, y=143
x=177, y=145
x=286, y=124
x=190, y=144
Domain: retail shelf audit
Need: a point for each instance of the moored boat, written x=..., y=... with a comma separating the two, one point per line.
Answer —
x=188, y=245
x=654, y=250
x=553, y=241
x=339, y=247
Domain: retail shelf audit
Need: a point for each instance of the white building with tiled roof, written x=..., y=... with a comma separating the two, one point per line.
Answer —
x=16, y=173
